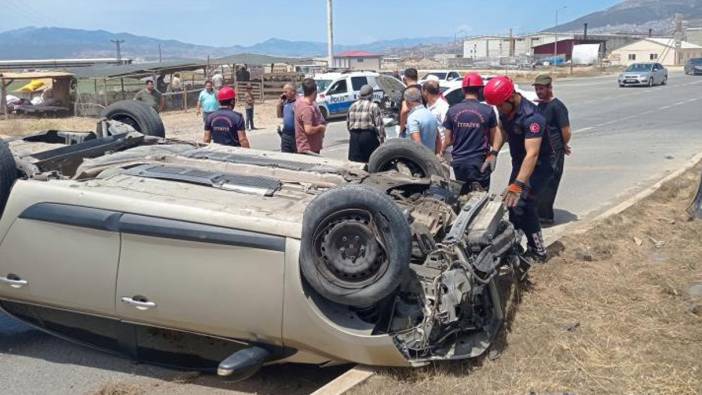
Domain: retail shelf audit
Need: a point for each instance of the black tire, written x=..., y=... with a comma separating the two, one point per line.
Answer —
x=665, y=80
x=324, y=112
x=418, y=159
x=8, y=174
x=650, y=82
x=371, y=226
x=138, y=115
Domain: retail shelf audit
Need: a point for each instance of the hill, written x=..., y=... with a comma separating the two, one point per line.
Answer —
x=637, y=16
x=54, y=42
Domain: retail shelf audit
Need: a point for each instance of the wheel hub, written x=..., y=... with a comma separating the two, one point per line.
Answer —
x=350, y=250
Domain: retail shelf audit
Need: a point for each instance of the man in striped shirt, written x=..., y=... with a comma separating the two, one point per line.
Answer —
x=365, y=124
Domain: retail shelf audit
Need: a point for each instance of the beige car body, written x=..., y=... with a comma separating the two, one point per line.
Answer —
x=133, y=236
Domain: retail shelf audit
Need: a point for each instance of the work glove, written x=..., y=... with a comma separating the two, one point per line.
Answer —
x=490, y=162
x=514, y=192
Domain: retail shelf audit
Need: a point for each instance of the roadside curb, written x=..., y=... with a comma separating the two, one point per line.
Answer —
x=340, y=385
x=359, y=374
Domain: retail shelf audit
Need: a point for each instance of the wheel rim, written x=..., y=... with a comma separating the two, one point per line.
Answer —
x=406, y=166
x=350, y=250
x=126, y=119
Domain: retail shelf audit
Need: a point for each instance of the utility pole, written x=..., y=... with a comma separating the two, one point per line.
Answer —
x=160, y=58
x=118, y=43
x=330, y=35
x=555, y=38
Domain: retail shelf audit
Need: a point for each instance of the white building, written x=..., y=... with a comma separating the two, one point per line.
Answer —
x=357, y=60
x=661, y=50
x=495, y=47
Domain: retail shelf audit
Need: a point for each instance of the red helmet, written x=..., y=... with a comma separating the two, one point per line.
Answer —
x=473, y=80
x=498, y=90
x=226, y=93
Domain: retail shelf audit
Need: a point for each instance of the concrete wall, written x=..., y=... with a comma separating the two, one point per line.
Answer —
x=694, y=36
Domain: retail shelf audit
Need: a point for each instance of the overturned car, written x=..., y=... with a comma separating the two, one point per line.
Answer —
x=226, y=259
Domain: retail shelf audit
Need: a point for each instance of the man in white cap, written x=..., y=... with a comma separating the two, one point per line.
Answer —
x=365, y=124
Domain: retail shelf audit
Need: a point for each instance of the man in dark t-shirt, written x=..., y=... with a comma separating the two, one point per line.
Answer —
x=226, y=126
x=410, y=79
x=471, y=128
x=559, y=133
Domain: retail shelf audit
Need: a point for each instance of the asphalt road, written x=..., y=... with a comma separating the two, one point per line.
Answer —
x=624, y=140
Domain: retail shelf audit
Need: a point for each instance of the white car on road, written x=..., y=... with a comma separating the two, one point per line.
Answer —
x=440, y=75
x=453, y=92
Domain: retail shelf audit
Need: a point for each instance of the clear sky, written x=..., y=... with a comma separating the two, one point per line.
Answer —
x=245, y=22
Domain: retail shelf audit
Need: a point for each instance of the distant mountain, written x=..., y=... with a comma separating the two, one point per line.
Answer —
x=53, y=42
x=637, y=16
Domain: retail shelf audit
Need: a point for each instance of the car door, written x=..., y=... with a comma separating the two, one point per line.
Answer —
x=339, y=97
x=200, y=278
x=60, y=255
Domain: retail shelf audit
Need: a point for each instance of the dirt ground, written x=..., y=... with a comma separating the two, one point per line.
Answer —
x=179, y=124
x=618, y=310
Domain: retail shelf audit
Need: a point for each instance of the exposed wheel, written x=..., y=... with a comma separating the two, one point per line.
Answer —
x=8, y=174
x=408, y=157
x=356, y=245
x=650, y=82
x=665, y=80
x=324, y=112
x=136, y=114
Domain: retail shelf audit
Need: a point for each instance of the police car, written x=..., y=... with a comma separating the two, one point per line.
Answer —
x=337, y=91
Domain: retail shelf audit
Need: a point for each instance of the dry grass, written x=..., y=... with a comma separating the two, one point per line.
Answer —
x=25, y=126
x=120, y=389
x=621, y=323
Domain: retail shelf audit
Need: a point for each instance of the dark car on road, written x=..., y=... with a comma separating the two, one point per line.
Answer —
x=694, y=66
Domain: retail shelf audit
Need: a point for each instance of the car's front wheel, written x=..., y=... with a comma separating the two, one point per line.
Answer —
x=356, y=245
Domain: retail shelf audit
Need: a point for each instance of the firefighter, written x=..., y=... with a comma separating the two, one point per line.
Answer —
x=524, y=128
x=471, y=128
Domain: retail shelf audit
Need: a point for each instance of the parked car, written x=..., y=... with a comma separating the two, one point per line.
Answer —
x=337, y=91
x=453, y=92
x=643, y=74
x=224, y=259
x=694, y=66
x=441, y=75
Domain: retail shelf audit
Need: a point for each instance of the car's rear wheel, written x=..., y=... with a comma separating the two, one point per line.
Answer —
x=407, y=157
x=136, y=114
x=356, y=245
x=325, y=113
x=8, y=174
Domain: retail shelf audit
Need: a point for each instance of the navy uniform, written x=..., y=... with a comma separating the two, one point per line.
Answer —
x=526, y=124
x=224, y=126
x=470, y=122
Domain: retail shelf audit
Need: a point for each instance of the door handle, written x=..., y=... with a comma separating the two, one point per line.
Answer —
x=14, y=281
x=140, y=302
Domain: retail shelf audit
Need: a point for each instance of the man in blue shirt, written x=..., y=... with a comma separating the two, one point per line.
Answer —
x=524, y=129
x=207, y=101
x=422, y=125
x=471, y=127
x=226, y=126
x=286, y=111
